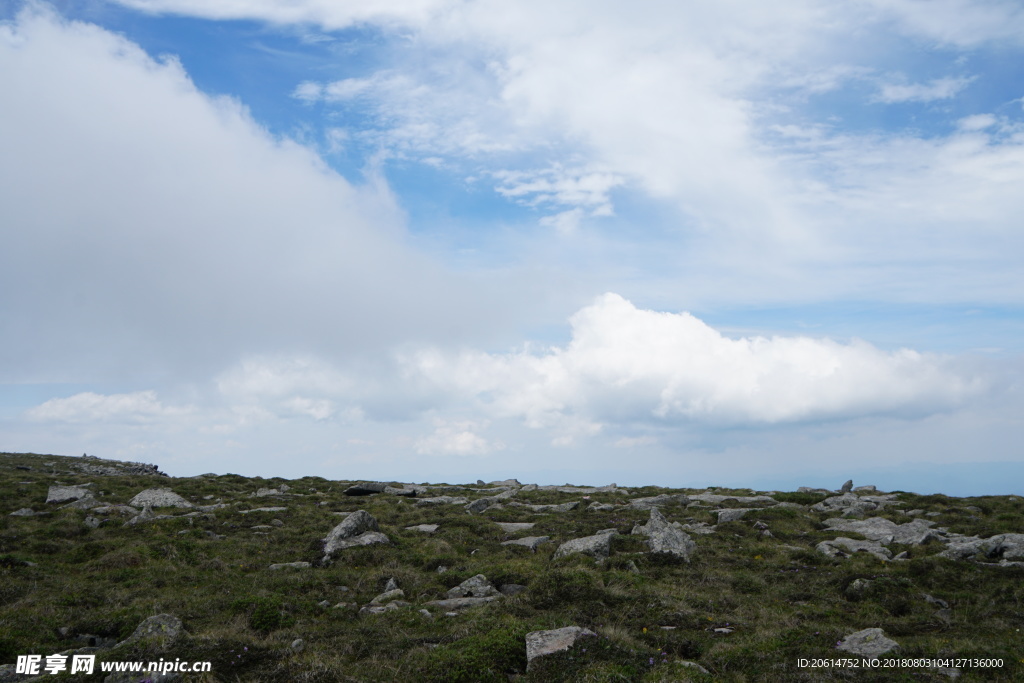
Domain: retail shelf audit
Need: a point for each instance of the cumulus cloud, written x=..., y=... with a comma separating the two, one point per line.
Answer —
x=135, y=408
x=626, y=364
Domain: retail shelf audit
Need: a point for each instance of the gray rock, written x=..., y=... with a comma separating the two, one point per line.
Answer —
x=158, y=498
x=858, y=587
x=262, y=493
x=600, y=507
x=657, y=501
x=290, y=565
x=848, y=486
x=844, y=547
x=164, y=628
x=388, y=595
x=510, y=589
x=871, y=642
x=597, y=546
x=561, y=507
x=808, y=489
x=731, y=514
x=442, y=500
x=63, y=494
x=506, y=482
x=864, y=489
x=530, y=542
x=365, y=489
x=462, y=603
x=425, y=528
x=513, y=527
x=271, y=509
x=938, y=602
x=666, y=539
x=848, y=503
x=359, y=528
x=886, y=531
x=24, y=512
x=298, y=645
x=481, y=504
x=542, y=643
x=475, y=587
x=92, y=522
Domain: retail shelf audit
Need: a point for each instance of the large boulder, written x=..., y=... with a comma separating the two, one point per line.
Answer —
x=163, y=628
x=359, y=528
x=666, y=539
x=442, y=500
x=365, y=488
x=844, y=547
x=63, y=494
x=159, y=498
x=598, y=546
x=541, y=643
x=886, y=531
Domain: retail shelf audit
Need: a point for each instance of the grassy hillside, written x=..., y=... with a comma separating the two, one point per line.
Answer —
x=745, y=608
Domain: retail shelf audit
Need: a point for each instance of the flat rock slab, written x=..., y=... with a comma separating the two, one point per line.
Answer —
x=513, y=527
x=425, y=528
x=718, y=499
x=657, y=501
x=844, y=547
x=62, y=494
x=443, y=500
x=731, y=514
x=598, y=546
x=542, y=643
x=561, y=507
x=245, y=512
x=365, y=489
x=530, y=542
x=290, y=565
x=886, y=531
x=455, y=604
x=871, y=642
x=159, y=498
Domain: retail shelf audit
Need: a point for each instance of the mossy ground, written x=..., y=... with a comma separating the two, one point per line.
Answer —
x=781, y=604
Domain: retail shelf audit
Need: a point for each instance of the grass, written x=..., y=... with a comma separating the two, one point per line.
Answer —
x=60, y=579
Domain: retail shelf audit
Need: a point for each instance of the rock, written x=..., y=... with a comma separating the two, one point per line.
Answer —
x=158, y=498
x=871, y=642
x=290, y=565
x=664, y=538
x=1007, y=546
x=915, y=513
x=843, y=547
x=481, y=504
x=561, y=507
x=530, y=542
x=693, y=665
x=510, y=589
x=512, y=527
x=24, y=512
x=941, y=604
x=298, y=645
x=657, y=501
x=365, y=489
x=597, y=546
x=600, y=507
x=261, y=493
x=475, y=587
x=542, y=643
x=165, y=628
x=506, y=482
x=848, y=503
x=388, y=596
x=857, y=588
x=699, y=528
x=275, y=509
x=359, y=528
x=964, y=547
x=391, y=584
x=86, y=503
x=425, y=528
x=62, y=494
x=92, y=522
x=277, y=522
x=462, y=603
x=864, y=489
x=847, y=486
x=731, y=514
x=886, y=531
x=808, y=489
x=442, y=500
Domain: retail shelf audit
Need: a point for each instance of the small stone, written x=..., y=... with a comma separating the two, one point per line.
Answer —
x=871, y=642
x=298, y=645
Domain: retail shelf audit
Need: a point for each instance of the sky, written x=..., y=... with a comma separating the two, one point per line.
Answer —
x=722, y=243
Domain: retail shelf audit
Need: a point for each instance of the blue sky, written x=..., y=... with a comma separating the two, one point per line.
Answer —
x=720, y=243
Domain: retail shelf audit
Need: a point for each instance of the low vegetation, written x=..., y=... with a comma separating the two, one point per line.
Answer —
x=747, y=606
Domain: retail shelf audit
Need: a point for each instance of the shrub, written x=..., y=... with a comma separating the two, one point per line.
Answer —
x=490, y=656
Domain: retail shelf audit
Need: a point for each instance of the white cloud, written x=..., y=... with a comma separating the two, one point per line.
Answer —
x=135, y=408
x=625, y=364
x=938, y=89
x=456, y=438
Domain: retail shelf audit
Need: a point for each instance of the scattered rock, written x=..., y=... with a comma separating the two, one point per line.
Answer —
x=512, y=527
x=600, y=507
x=62, y=494
x=24, y=512
x=844, y=547
x=542, y=643
x=506, y=482
x=159, y=498
x=886, y=531
x=290, y=565
x=92, y=522
x=666, y=539
x=365, y=489
x=388, y=596
x=359, y=528
x=871, y=642
x=475, y=587
x=425, y=528
x=597, y=546
x=530, y=542
x=562, y=507
x=462, y=603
